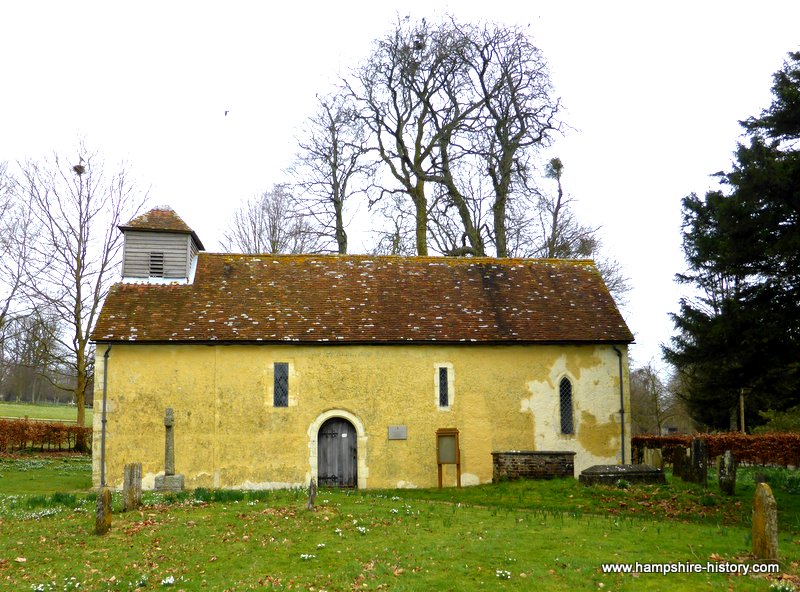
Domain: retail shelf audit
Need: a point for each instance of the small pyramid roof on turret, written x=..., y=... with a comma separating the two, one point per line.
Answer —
x=161, y=219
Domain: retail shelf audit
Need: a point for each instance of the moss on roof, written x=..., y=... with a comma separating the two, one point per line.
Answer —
x=368, y=299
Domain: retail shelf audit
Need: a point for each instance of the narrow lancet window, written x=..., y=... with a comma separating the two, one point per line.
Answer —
x=565, y=395
x=444, y=393
x=281, y=385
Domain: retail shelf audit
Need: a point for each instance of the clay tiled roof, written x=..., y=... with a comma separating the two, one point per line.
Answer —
x=364, y=299
x=161, y=219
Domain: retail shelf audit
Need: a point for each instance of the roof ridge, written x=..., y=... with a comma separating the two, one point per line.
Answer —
x=436, y=258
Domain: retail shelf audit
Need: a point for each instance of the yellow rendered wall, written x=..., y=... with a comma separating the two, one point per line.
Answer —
x=228, y=434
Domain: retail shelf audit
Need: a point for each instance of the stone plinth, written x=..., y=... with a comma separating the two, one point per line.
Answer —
x=611, y=474
x=530, y=464
x=173, y=483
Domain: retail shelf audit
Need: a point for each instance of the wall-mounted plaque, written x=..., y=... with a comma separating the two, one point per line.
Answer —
x=398, y=432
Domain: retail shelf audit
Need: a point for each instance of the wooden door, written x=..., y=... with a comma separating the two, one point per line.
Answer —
x=337, y=454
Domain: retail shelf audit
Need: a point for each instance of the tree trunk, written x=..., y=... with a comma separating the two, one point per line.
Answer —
x=472, y=233
x=499, y=210
x=341, y=235
x=81, y=445
x=421, y=205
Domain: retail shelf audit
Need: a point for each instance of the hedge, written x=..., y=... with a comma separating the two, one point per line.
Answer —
x=760, y=449
x=19, y=434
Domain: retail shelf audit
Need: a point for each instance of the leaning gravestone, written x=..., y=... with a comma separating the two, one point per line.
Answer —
x=132, y=487
x=169, y=481
x=103, y=515
x=765, y=523
x=726, y=470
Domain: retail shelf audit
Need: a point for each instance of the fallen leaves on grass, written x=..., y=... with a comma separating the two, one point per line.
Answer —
x=136, y=527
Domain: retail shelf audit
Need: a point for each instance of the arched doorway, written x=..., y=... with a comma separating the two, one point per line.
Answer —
x=337, y=454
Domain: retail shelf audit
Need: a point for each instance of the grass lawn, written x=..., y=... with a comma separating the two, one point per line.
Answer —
x=43, y=411
x=39, y=474
x=512, y=536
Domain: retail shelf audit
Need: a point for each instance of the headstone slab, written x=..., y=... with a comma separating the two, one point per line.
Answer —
x=653, y=457
x=611, y=474
x=726, y=470
x=765, y=523
x=698, y=462
x=103, y=512
x=679, y=461
x=132, y=487
x=169, y=483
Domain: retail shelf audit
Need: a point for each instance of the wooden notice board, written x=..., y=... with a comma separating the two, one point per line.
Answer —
x=448, y=452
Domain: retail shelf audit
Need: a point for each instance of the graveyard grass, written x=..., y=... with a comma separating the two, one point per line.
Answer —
x=509, y=536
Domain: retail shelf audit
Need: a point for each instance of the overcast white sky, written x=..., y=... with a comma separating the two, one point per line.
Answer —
x=653, y=91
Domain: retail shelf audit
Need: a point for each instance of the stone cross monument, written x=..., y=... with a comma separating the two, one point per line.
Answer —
x=169, y=481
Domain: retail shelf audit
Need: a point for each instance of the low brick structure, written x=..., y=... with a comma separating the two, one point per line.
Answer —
x=530, y=464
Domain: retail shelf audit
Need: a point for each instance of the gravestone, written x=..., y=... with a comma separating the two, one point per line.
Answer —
x=652, y=457
x=698, y=462
x=102, y=522
x=312, y=494
x=765, y=523
x=132, y=487
x=726, y=469
x=169, y=481
x=679, y=463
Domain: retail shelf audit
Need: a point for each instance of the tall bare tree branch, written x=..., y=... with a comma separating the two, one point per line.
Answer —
x=331, y=167
x=77, y=206
x=268, y=223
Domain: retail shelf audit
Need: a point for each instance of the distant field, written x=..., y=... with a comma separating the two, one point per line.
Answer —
x=53, y=412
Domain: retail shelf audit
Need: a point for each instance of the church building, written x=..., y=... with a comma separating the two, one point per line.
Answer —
x=343, y=368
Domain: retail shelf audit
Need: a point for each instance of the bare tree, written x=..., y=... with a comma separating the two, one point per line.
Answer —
x=268, y=223
x=402, y=95
x=455, y=109
x=519, y=114
x=78, y=207
x=397, y=235
x=29, y=354
x=655, y=404
x=331, y=166
x=17, y=232
x=14, y=230
x=558, y=234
